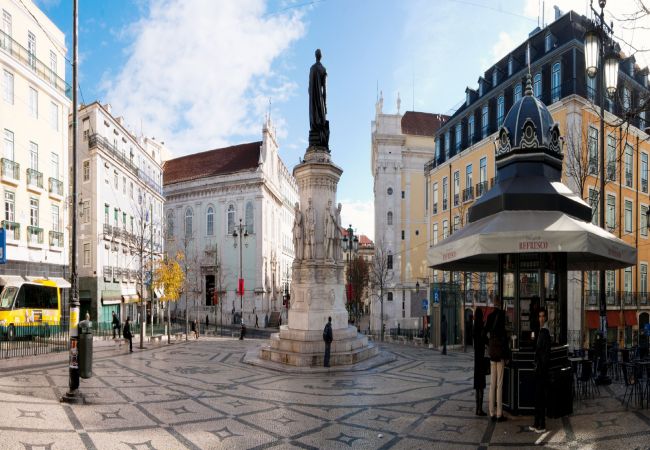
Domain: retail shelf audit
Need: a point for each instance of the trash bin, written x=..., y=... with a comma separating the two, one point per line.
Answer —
x=85, y=349
x=560, y=392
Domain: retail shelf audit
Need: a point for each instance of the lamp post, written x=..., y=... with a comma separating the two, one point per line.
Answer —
x=350, y=243
x=243, y=233
x=601, y=61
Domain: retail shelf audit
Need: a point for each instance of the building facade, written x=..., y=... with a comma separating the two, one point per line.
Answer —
x=209, y=195
x=463, y=169
x=33, y=119
x=401, y=146
x=120, y=204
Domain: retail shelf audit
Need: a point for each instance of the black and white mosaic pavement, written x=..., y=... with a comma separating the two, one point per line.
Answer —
x=200, y=395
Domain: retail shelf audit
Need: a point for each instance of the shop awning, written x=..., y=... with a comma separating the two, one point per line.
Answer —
x=476, y=247
x=630, y=318
x=613, y=319
x=593, y=320
x=132, y=298
x=111, y=297
x=61, y=282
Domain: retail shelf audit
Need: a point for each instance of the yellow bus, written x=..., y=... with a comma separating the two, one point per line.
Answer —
x=26, y=301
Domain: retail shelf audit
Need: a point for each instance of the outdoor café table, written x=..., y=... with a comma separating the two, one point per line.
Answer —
x=644, y=378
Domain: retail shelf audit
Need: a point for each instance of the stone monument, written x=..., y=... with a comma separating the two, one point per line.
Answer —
x=318, y=272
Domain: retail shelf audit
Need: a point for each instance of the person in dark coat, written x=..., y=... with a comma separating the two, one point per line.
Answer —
x=498, y=350
x=443, y=334
x=542, y=363
x=328, y=338
x=127, y=333
x=479, y=364
x=116, y=325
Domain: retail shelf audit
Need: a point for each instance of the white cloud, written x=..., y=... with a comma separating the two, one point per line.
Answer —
x=361, y=215
x=199, y=72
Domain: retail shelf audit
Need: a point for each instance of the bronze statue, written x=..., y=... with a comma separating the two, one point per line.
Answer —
x=319, y=129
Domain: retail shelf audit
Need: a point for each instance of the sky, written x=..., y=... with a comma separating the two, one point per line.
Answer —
x=202, y=74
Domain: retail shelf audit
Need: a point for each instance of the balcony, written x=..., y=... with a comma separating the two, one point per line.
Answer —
x=108, y=231
x=456, y=199
x=10, y=171
x=628, y=178
x=117, y=274
x=34, y=236
x=28, y=59
x=98, y=141
x=56, y=239
x=644, y=186
x=12, y=230
x=481, y=188
x=468, y=194
x=55, y=188
x=34, y=180
x=108, y=273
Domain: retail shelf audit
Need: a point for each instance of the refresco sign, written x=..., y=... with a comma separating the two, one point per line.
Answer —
x=533, y=245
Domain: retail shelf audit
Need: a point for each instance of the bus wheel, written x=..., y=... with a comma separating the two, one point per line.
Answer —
x=11, y=332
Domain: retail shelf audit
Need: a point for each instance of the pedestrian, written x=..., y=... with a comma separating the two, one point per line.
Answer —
x=207, y=322
x=542, y=363
x=443, y=334
x=127, y=333
x=116, y=325
x=495, y=332
x=328, y=338
x=193, y=328
x=242, y=331
x=256, y=324
x=479, y=361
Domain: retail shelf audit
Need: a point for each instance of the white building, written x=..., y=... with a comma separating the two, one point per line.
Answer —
x=207, y=195
x=120, y=209
x=33, y=120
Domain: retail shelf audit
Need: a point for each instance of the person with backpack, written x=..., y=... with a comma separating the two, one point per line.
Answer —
x=328, y=338
x=495, y=332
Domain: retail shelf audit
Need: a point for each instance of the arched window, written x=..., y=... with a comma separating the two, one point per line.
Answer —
x=556, y=89
x=231, y=219
x=188, y=222
x=517, y=93
x=210, y=221
x=249, y=217
x=389, y=219
x=537, y=85
x=170, y=223
x=501, y=110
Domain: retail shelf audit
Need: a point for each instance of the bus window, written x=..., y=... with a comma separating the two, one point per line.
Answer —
x=39, y=297
x=7, y=297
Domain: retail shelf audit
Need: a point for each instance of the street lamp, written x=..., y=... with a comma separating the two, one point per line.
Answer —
x=350, y=243
x=599, y=47
x=243, y=234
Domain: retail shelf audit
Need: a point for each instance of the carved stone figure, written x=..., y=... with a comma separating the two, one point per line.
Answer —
x=298, y=232
x=329, y=231
x=319, y=129
x=338, y=251
x=310, y=228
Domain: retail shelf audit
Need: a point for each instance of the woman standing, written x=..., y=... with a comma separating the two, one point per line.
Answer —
x=479, y=363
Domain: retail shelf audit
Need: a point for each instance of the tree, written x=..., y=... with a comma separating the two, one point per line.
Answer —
x=358, y=274
x=380, y=274
x=169, y=277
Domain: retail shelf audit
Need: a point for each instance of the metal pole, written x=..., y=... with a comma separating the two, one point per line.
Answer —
x=241, y=293
x=151, y=260
x=73, y=395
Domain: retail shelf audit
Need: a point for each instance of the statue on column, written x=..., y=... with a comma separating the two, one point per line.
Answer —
x=310, y=227
x=330, y=229
x=338, y=252
x=298, y=233
x=319, y=128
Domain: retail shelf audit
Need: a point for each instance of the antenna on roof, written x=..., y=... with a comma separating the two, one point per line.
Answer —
x=413, y=87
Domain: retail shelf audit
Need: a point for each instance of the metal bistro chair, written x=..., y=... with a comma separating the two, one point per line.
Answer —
x=633, y=387
x=586, y=386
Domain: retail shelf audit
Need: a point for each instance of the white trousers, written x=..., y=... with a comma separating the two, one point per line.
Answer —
x=496, y=388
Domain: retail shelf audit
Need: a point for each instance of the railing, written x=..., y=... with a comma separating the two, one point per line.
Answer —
x=435, y=208
x=481, y=188
x=117, y=274
x=108, y=273
x=34, y=235
x=97, y=140
x=628, y=178
x=8, y=44
x=108, y=230
x=468, y=194
x=611, y=171
x=617, y=298
x=644, y=185
x=10, y=169
x=444, y=204
x=32, y=339
x=12, y=229
x=35, y=178
x=56, y=239
x=152, y=184
x=592, y=297
x=55, y=186
x=456, y=199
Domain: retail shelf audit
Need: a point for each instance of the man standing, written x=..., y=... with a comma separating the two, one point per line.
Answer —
x=542, y=362
x=328, y=338
x=116, y=325
x=498, y=352
x=127, y=333
x=443, y=334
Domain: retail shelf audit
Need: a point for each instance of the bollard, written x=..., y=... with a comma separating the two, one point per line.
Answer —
x=85, y=349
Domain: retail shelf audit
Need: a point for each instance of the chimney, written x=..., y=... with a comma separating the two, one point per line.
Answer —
x=558, y=13
x=107, y=107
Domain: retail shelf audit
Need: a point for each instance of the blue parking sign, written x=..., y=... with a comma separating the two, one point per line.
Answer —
x=436, y=299
x=3, y=246
x=425, y=304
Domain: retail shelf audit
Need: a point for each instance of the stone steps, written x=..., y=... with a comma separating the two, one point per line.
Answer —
x=315, y=359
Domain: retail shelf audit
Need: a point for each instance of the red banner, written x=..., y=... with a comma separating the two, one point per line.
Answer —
x=240, y=289
x=215, y=298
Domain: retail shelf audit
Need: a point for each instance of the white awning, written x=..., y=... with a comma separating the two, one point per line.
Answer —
x=15, y=280
x=477, y=246
x=12, y=280
x=61, y=282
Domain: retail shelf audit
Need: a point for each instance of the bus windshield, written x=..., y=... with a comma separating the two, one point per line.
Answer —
x=7, y=297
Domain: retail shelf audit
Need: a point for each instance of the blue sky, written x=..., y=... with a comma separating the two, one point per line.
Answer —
x=198, y=74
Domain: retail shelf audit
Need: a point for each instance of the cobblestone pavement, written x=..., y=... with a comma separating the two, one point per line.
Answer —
x=201, y=395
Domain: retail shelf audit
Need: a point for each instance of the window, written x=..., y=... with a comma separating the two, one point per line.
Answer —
x=389, y=262
x=610, y=282
x=8, y=87
x=210, y=220
x=611, y=211
x=468, y=180
x=644, y=220
x=249, y=218
x=548, y=42
x=592, y=145
x=447, y=144
x=403, y=194
x=644, y=172
x=116, y=180
x=495, y=77
x=445, y=229
x=189, y=215
x=435, y=198
x=389, y=295
x=611, y=158
x=231, y=219
x=9, y=145
x=106, y=213
x=627, y=280
x=389, y=191
x=124, y=221
x=10, y=206
x=54, y=116
x=591, y=88
x=628, y=165
x=556, y=88
x=124, y=185
x=483, y=169
x=593, y=202
x=501, y=107
x=6, y=27
x=87, y=254
x=389, y=218
x=537, y=85
x=456, y=187
x=85, y=126
x=33, y=212
x=54, y=162
x=33, y=156
x=470, y=129
x=445, y=198
x=459, y=136
x=115, y=217
x=402, y=234
x=627, y=99
x=628, y=216
x=131, y=189
x=56, y=224
x=642, y=114
x=456, y=223
x=85, y=211
x=33, y=103
x=484, y=121
x=86, y=170
x=170, y=223
x=31, y=49
x=643, y=268
x=517, y=93
x=52, y=67
x=435, y=233
x=510, y=65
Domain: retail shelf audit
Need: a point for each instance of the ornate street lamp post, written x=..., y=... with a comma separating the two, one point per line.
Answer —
x=350, y=244
x=242, y=235
x=601, y=61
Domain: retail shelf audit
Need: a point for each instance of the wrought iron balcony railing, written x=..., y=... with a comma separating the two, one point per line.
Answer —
x=34, y=235
x=55, y=186
x=56, y=239
x=12, y=229
x=35, y=178
x=10, y=169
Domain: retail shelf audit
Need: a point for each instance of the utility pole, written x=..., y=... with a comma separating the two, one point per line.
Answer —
x=151, y=260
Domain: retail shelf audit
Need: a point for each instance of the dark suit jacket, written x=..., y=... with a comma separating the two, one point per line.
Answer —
x=543, y=352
